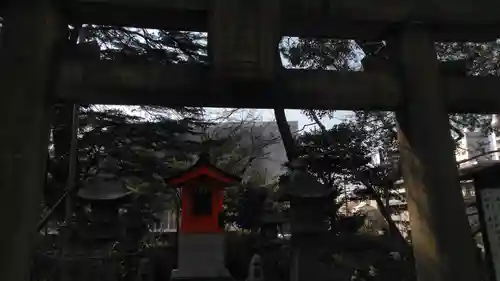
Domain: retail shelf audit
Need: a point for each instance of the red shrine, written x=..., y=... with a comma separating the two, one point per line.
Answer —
x=202, y=196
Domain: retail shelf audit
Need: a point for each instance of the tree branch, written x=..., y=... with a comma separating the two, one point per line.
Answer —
x=477, y=156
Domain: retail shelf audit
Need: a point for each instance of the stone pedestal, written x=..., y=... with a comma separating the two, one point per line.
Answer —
x=487, y=186
x=308, y=201
x=201, y=257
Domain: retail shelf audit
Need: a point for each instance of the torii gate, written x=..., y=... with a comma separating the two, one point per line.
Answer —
x=243, y=38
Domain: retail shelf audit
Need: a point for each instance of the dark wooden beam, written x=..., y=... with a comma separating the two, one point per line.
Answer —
x=169, y=15
x=448, y=20
x=107, y=82
x=110, y=82
x=318, y=89
x=472, y=94
x=31, y=35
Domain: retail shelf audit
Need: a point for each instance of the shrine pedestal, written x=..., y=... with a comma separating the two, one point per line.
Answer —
x=201, y=257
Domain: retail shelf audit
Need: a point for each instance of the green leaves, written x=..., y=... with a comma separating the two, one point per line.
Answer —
x=334, y=163
x=146, y=45
x=319, y=53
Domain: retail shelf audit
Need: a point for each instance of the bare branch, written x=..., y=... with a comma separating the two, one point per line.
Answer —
x=477, y=156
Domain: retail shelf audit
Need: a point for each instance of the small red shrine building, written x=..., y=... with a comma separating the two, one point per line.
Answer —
x=201, y=187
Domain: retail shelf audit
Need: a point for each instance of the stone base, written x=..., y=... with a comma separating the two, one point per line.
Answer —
x=176, y=277
x=201, y=257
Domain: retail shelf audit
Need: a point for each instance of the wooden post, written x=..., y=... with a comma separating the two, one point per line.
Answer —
x=29, y=37
x=243, y=38
x=441, y=236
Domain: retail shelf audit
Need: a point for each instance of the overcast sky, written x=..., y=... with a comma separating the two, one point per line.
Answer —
x=253, y=114
x=296, y=115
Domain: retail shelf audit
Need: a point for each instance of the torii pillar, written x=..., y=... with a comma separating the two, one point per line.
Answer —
x=442, y=244
x=29, y=35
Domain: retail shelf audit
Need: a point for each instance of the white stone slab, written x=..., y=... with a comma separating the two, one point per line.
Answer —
x=200, y=256
x=490, y=201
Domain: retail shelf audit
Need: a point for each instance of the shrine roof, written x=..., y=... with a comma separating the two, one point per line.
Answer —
x=203, y=168
x=300, y=184
x=100, y=188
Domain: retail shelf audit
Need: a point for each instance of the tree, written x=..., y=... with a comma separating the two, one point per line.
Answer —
x=459, y=58
x=158, y=46
x=148, y=150
x=349, y=159
x=342, y=154
x=120, y=43
x=238, y=147
x=350, y=55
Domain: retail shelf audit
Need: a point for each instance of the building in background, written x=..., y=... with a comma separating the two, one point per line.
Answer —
x=263, y=140
x=475, y=147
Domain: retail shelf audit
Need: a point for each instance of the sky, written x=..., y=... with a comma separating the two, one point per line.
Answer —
x=254, y=114
x=296, y=115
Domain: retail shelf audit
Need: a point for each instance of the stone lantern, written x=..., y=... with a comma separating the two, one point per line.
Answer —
x=97, y=224
x=308, y=221
x=272, y=221
x=103, y=194
x=271, y=247
x=307, y=198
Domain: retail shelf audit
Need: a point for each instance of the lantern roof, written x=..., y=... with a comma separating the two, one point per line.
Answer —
x=203, y=169
x=272, y=216
x=300, y=184
x=103, y=187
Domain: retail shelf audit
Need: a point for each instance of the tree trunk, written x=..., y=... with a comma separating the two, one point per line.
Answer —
x=70, y=187
x=393, y=229
x=61, y=132
x=62, y=136
x=286, y=134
